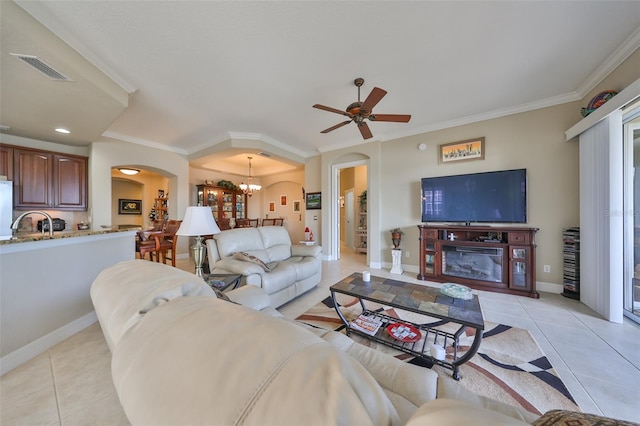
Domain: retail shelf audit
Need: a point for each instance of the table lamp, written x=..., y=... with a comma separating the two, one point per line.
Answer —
x=198, y=221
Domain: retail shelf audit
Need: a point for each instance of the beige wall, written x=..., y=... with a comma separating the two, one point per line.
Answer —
x=532, y=140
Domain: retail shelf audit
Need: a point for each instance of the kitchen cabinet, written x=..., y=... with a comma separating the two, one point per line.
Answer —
x=6, y=162
x=49, y=180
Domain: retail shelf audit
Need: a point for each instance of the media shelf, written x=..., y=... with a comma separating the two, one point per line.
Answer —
x=571, y=263
x=491, y=258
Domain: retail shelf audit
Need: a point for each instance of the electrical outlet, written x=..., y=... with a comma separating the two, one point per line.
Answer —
x=547, y=268
x=407, y=254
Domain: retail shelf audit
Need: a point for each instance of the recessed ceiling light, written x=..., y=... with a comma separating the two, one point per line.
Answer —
x=62, y=130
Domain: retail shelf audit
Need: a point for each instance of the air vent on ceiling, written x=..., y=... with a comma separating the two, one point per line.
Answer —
x=4, y=128
x=265, y=154
x=41, y=66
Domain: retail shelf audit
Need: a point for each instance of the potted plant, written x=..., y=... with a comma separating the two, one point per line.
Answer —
x=396, y=237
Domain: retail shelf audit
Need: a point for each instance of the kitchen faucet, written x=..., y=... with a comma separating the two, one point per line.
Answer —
x=14, y=225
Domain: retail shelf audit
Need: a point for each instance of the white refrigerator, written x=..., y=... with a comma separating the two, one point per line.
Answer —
x=6, y=209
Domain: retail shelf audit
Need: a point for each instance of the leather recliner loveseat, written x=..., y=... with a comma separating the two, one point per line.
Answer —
x=266, y=259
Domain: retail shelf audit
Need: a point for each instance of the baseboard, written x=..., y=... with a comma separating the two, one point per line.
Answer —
x=405, y=268
x=549, y=287
x=35, y=348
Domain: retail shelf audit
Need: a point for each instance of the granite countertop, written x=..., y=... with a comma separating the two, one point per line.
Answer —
x=39, y=236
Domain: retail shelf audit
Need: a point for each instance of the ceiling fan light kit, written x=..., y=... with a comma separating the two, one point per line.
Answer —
x=359, y=111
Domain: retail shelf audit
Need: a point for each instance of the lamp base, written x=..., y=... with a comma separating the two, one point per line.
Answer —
x=197, y=252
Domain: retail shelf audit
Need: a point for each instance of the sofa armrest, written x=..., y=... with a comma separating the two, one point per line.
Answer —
x=306, y=251
x=212, y=251
x=250, y=296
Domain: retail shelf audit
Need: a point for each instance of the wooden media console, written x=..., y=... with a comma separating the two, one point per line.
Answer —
x=491, y=258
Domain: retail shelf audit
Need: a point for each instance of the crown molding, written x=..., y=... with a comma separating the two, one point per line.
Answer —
x=626, y=49
x=143, y=142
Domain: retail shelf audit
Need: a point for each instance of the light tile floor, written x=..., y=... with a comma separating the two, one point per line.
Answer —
x=70, y=384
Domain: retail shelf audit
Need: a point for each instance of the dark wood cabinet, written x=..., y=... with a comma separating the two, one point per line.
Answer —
x=33, y=173
x=48, y=180
x=225, y=203
x=69, y=182
x=6, y=162
x=491, y=258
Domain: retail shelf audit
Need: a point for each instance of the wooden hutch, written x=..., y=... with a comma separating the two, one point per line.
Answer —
x=225, y=203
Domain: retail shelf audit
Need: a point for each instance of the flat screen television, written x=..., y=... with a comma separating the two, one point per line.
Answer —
x=490, y=197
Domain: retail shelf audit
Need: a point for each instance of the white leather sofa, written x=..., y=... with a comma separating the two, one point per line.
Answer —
x=292, y=269
x=180, y=355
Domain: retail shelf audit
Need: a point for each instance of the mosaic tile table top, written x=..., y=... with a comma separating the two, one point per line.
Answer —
x=416, y=298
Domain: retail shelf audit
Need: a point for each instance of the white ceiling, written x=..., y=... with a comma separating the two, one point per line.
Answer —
x=238, y=77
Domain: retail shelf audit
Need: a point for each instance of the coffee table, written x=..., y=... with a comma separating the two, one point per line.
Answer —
x=419, y=299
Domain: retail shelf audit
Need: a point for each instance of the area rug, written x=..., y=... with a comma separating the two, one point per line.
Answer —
x=509, y=366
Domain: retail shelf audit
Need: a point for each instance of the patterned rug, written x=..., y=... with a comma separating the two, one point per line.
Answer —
x=509, y=366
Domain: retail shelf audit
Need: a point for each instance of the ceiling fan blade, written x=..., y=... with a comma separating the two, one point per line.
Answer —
x=337, y=111
x=398, y=118
x=374, y=97
x=364, y=130
x=336, y=126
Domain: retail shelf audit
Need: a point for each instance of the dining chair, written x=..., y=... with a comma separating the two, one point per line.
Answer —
x=169, y=241
x=146, y=242
x=242, y=223
x=223, y=223
x=253, y=223
x=268, y=222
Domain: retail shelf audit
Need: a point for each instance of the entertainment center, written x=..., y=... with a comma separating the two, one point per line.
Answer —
x=492, y=258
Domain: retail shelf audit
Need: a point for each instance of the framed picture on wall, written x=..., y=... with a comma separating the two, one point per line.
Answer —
x=296, y=206
x=272, y=206
x=128, y=206
x=471, y=149
x=283, y=200
x=314, y=200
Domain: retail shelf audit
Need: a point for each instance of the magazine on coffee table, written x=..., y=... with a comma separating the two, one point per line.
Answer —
x=367, y=324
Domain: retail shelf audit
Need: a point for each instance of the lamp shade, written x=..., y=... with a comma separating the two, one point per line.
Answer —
x=198, y=221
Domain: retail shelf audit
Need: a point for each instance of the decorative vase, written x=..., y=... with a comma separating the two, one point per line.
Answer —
x=396, y=237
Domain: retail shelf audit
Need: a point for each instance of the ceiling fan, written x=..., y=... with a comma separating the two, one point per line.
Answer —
x=358, y=112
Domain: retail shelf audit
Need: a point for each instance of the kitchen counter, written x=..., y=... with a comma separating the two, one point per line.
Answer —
x=45, y=283
x=24, y=237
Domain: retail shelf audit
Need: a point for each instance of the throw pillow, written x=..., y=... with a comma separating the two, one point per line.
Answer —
x=574, y=418
x=249, y=258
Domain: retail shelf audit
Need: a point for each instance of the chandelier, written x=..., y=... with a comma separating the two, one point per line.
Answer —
x=248, y=188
